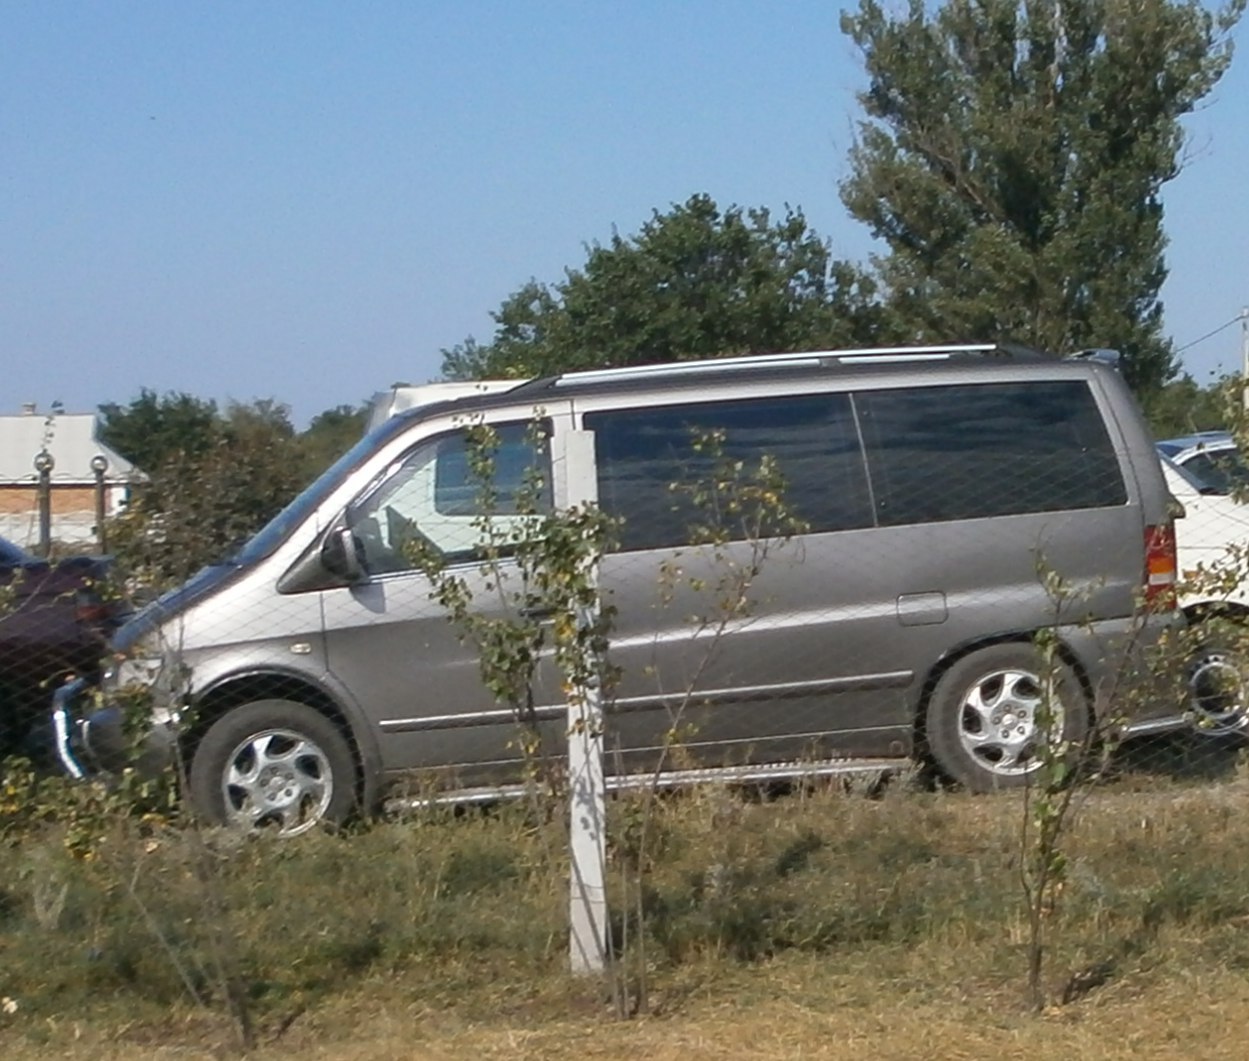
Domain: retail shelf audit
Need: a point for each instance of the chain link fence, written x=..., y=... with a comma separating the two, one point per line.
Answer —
x=906, y=592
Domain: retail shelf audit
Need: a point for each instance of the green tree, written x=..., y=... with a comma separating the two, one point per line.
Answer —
x=1013, y=158
x=694, y=282
x=329, y=435
x=213, y=477
x=1183, y=407
x=153, y=427
x=201, y=500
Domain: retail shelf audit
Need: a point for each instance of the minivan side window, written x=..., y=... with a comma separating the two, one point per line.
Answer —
x=434, y=496
x=642, y=453
x=987, y=449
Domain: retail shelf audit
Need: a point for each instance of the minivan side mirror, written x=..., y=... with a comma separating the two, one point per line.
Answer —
x=333, y=563
x=340, y=555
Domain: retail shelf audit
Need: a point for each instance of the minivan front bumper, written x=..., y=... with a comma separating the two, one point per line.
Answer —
x=89, y=739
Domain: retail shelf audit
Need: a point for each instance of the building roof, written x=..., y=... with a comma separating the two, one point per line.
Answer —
x=70, y=439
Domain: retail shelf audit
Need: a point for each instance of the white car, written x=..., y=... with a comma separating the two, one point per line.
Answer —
x=1212, y=546
x=1210, y=457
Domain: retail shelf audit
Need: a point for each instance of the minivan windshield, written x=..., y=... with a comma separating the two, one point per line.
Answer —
x=275, y=532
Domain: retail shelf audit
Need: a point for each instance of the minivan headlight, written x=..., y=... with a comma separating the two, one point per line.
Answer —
x=133, y=670
x=145, y=679
x=143, y=671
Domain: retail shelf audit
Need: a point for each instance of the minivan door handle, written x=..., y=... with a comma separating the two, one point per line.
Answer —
x=922, y=609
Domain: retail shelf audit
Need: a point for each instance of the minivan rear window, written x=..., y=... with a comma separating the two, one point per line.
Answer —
x=648, y=459
x=987, y=449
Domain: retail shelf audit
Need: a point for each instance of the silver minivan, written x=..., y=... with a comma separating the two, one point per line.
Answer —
x=936, y=487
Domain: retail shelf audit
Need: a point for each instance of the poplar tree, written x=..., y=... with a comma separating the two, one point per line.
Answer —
x=1012, y=161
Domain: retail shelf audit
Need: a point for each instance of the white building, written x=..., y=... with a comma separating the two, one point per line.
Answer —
x=70, y=439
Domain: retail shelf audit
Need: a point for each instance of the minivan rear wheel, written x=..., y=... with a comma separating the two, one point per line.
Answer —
x=985, y=725
x=273, y=765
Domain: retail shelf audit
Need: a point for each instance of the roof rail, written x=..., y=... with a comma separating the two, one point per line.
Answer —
x=807, y=359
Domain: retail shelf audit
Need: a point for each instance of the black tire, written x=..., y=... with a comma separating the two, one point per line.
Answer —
x=13, y=721
x=1216, y=678
x=273, y=765
x=981, y=726
x=24, y=707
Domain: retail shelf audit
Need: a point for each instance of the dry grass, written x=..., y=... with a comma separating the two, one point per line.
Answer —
x=824, y=926
x=785, y=1009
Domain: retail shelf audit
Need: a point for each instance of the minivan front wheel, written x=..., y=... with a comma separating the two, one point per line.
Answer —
x=986, y=722
x=273, y=765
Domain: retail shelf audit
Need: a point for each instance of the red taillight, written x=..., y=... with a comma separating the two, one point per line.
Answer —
x=90, y=609
x=1161, y=566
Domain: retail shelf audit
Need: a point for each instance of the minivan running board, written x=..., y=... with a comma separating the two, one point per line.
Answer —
x=724, y=775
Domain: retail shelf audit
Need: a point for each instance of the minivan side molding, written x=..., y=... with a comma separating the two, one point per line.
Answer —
x=624, y=705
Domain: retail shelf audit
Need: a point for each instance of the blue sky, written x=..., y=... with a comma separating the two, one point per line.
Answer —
x=307, y=201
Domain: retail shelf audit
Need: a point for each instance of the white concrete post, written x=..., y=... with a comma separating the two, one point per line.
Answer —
x=587, y=896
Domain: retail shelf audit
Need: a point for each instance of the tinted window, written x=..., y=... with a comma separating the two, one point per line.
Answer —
x=992, y=449
x=650, y=461
x=518, y=475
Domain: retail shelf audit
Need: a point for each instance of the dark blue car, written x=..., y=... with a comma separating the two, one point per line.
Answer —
x=55, y=621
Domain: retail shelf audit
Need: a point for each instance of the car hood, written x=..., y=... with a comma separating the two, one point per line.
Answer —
x=172, y=604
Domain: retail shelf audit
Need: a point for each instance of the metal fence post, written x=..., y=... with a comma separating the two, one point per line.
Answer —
x=44, y=463
x=99, y=465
